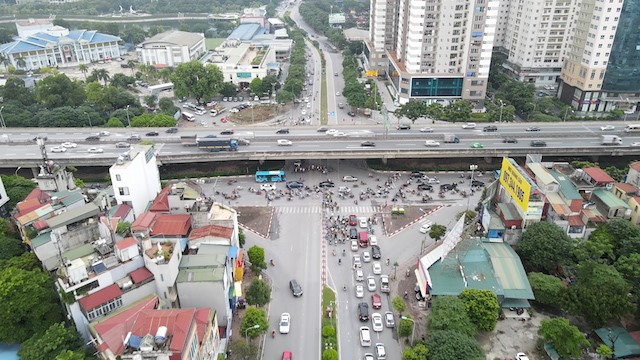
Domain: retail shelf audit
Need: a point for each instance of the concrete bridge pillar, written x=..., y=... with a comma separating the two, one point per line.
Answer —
x=384, y=160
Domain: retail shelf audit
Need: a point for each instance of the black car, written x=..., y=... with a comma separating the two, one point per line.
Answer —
x=490, y=128
x=283, y=131
x=351, y=113
x=368, y=143
x=538, y=143
x=353, y=233
x=211, y=136
x=226, y=132
x=123, y=144
x=404, y=127
x=92, y=138
x=172, y=130
x=425, y=187
x=152, y=133
x=447, y=187
x=477, y=183
x=296, y=289
x=510, y=140
x=327, y=184
x=294, y=185
x=375, y=251
x=322, y=129
x=416, y=175
x=363, y=311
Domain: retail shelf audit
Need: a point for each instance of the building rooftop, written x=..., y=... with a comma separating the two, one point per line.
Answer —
x=245, y=32
x=161, y=202
x=177, y=225
x=128, y=242
x=120, y=211
x=211, y=231
x=43, y=40
x=127, y=157
x=200, y=275
x=541, y=173
x=144, y=221
x=100, y=297
x=610, y=200
x=200, y=260
x=175, y=37
x=74, y=215
x=567, y=188
x=598, y=175
x=140, y=275
x=509, y=211
x=635, y=166
x=626, y=188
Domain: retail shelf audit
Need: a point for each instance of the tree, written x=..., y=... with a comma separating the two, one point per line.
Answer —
x=604, y=351
x=11, y=247
x=256, y=86
x=598, y=247
x=567, y=339
x=629, y=267
x=256, y=258
x=405, y=327
x=258, y=293
x=167, y=106
x=544, y=247
x=131, y=65
x=450, y=313
x=122, y=81
x=123, y=227
x=58, y=90
x=447, y=345
x=482, y=307
x=398, y=304
x=600, y=294
x=548, y=289
x=21, y=63
x=459, y=110
x=470, y=216
x=17, y=189
x=413, y=110
x=435, y=110
x=437, y=231
x=15, y=89
x=84, y=69
x=7, y=228
x=28, y=304
x=626, y=236
x=243, y=351
x=192, y=79
x=252, y=317
x=228, y=89
x=28, y=261
x=46, y=346
x=418, y=352
x=71, y=355
x=330, y=354
x=150, y=101
x=241, y=237
x=115, y=123
x=102, y=75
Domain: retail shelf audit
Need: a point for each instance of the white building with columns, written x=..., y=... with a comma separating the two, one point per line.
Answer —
x=171, y=48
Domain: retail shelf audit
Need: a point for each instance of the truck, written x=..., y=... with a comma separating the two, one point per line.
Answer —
x=384, y=284
x=216, y=145
x=367, y=112
x=450, y=138
x=610, y=140
x=189, y=140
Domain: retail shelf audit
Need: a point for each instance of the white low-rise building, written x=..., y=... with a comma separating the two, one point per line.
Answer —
x=135, y=177
x=171, y=48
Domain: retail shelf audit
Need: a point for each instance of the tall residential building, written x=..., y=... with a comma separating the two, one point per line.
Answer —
x=433, y=50
x=135, y=177
x=602, y=69
x=535, y=36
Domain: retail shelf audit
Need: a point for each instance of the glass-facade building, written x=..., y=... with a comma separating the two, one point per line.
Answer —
x=623, y=69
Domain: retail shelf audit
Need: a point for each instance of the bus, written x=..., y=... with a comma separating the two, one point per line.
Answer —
x=188, y=116
x=632, y=128
x=275, y=175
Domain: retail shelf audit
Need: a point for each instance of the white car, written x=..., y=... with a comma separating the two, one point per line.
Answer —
x=340, y=134
x=104, y=133
x=635, y=144
x=359, y=275
x=267, y=187
x=389, y=321
x=285, y=323
x=95, y=150
x=362, y=222
x=426, y=227
x=469, y=126
x=377, y=268
x=369, y=356
x=354, y=245
x=331, y=132
x=283, y=142
x=371, y=283
x=426, y=129
x=522, y=356
x=381, y=352
x=366, y=257
x=199, y=112
x=356, y=261
x=373, y=240
x=69, y=145
x=359, y=291
x=607, y=127
x=57, y=149
x=304, y=112
x=338, y=93
x=365, y=336
x=349, y=178
x=376, y=322
x=431, y=143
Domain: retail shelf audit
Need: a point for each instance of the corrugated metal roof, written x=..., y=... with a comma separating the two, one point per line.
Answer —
x=100, y=297
x=211, y=230
x=40, y=240
x=246, y=31
x=541, y=173
x=74, y=215
x=609, y=199
x=171, y=225
x=140, y=275
x=39, y=41
x=200, y=275
x=567, y=188
x=598, y=175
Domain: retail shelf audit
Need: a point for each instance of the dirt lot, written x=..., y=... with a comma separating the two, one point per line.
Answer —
x=412, y=214
x=258, y=113
x=256, y=218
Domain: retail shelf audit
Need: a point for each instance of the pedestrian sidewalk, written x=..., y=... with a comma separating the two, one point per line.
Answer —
x=386, y=95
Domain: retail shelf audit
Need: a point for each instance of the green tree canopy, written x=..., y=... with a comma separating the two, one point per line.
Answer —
x=243, y=351
x=254, y=317
x=228, y=89
x=405, y=327
x=192, y=79
x=437, y=231
x=330, y=354
x=398, y=304
x=256, y=258
x=567, y=339
x=46, y=346
x=27, y=261
x=629, y=267
x=71, y=355
x=450, y=313
x=447, y=345
x=482, y=307
x=58, y=90
x=418, y=352
x=15, y=89
x=256, y=86
x=11, y=247
x=122, y=81
x=17, y=189
x=258, y=293
x=153, y=120
x=413, y=110
x=545, y=246
x=114, y=123
x=548, y=289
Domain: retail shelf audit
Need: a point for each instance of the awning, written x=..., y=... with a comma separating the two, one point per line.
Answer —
x=237, y=289
x=422, y=283
x=515, y=303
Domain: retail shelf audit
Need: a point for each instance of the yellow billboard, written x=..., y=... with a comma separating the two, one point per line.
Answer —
x=372, y=73
x=517, y=186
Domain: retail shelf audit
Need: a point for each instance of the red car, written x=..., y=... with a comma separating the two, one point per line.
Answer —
x=287, y=355
x=376, y=301
x=353, y=220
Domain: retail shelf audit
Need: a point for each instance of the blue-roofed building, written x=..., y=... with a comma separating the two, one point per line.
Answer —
x=59, y=47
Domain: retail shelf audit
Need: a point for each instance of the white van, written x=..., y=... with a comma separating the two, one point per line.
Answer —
x=283, y=142
x=365, y=336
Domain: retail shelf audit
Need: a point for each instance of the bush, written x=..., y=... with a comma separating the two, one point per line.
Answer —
x=330, y=354
x=328, y=332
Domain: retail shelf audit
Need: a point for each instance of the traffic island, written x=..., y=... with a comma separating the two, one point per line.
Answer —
x=396, y=218
x=256, y=219
x=329, y=338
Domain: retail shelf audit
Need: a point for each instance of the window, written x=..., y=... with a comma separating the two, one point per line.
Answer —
x=118, y=177
x=123, y=191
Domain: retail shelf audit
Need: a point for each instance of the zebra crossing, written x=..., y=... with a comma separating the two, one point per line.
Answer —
x=318, y=210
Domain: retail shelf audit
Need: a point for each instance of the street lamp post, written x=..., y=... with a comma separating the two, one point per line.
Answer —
x=89, y=117
x=413, y=327
x=473, y=168
x=2, y=123
x=256, y=326
x=566, y=113
x=128, y=120
x=501, y=106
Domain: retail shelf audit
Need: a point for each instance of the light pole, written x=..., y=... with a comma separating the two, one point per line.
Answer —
x=472, y=168
x=256, y=326
x=413, y=327
x=2, y=123
x=128, y=120
x=501, y=106
x=89, y=117
x=566, y=112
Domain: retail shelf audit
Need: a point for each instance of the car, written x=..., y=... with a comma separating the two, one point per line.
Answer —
x=134, y=137
x=477, y=145
x=363, y=223
x=338, y=93
x=285, y=323
x=58, y=149
x=521, y=356
x=69, y=145
x=322, y=129
x=381, y=352
x=425, y=187
x=349, y=178
x=326, y=184
x=284, y=142
x=426, y=129
x=200, y=112
x=227, y=132
x=331, y=132
x=340, y=134
x=92, y=138
x=389, y=320
x=296, y=289
x=366, y=257
x=294, y=185
x=95, y=150
x=152, y=133
x=267, y=187
x=359, y=291
x=363, y=311
x=353, y=233
x=607, y=127
x=373, y=241
x=430, y=180
x=431, y=143
x=365, y=336
x=104, y=133
x=371, y=283
x=375, y=252
x=172, y=130
x=404, y=127
x=538, y=143
x=356, y=261
x=635, y=144
x=416, y=175
x=376, y=318
x=510, y=140
x=469, y=126
x=282, y=131
x=426, y=227
x=344, y=190
x=286, y=355
x=234, y=110
x=368, y=356
x=335, y=74
x=490, y=128
x=377, y=268
x=353, y=220
x=351, y=113
x=122, y=144
x=532, y=128
x=477, y=183
x=203, y=123
x=359, y=275
x=368, y=143
x=304, y=112
x=354, y=245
